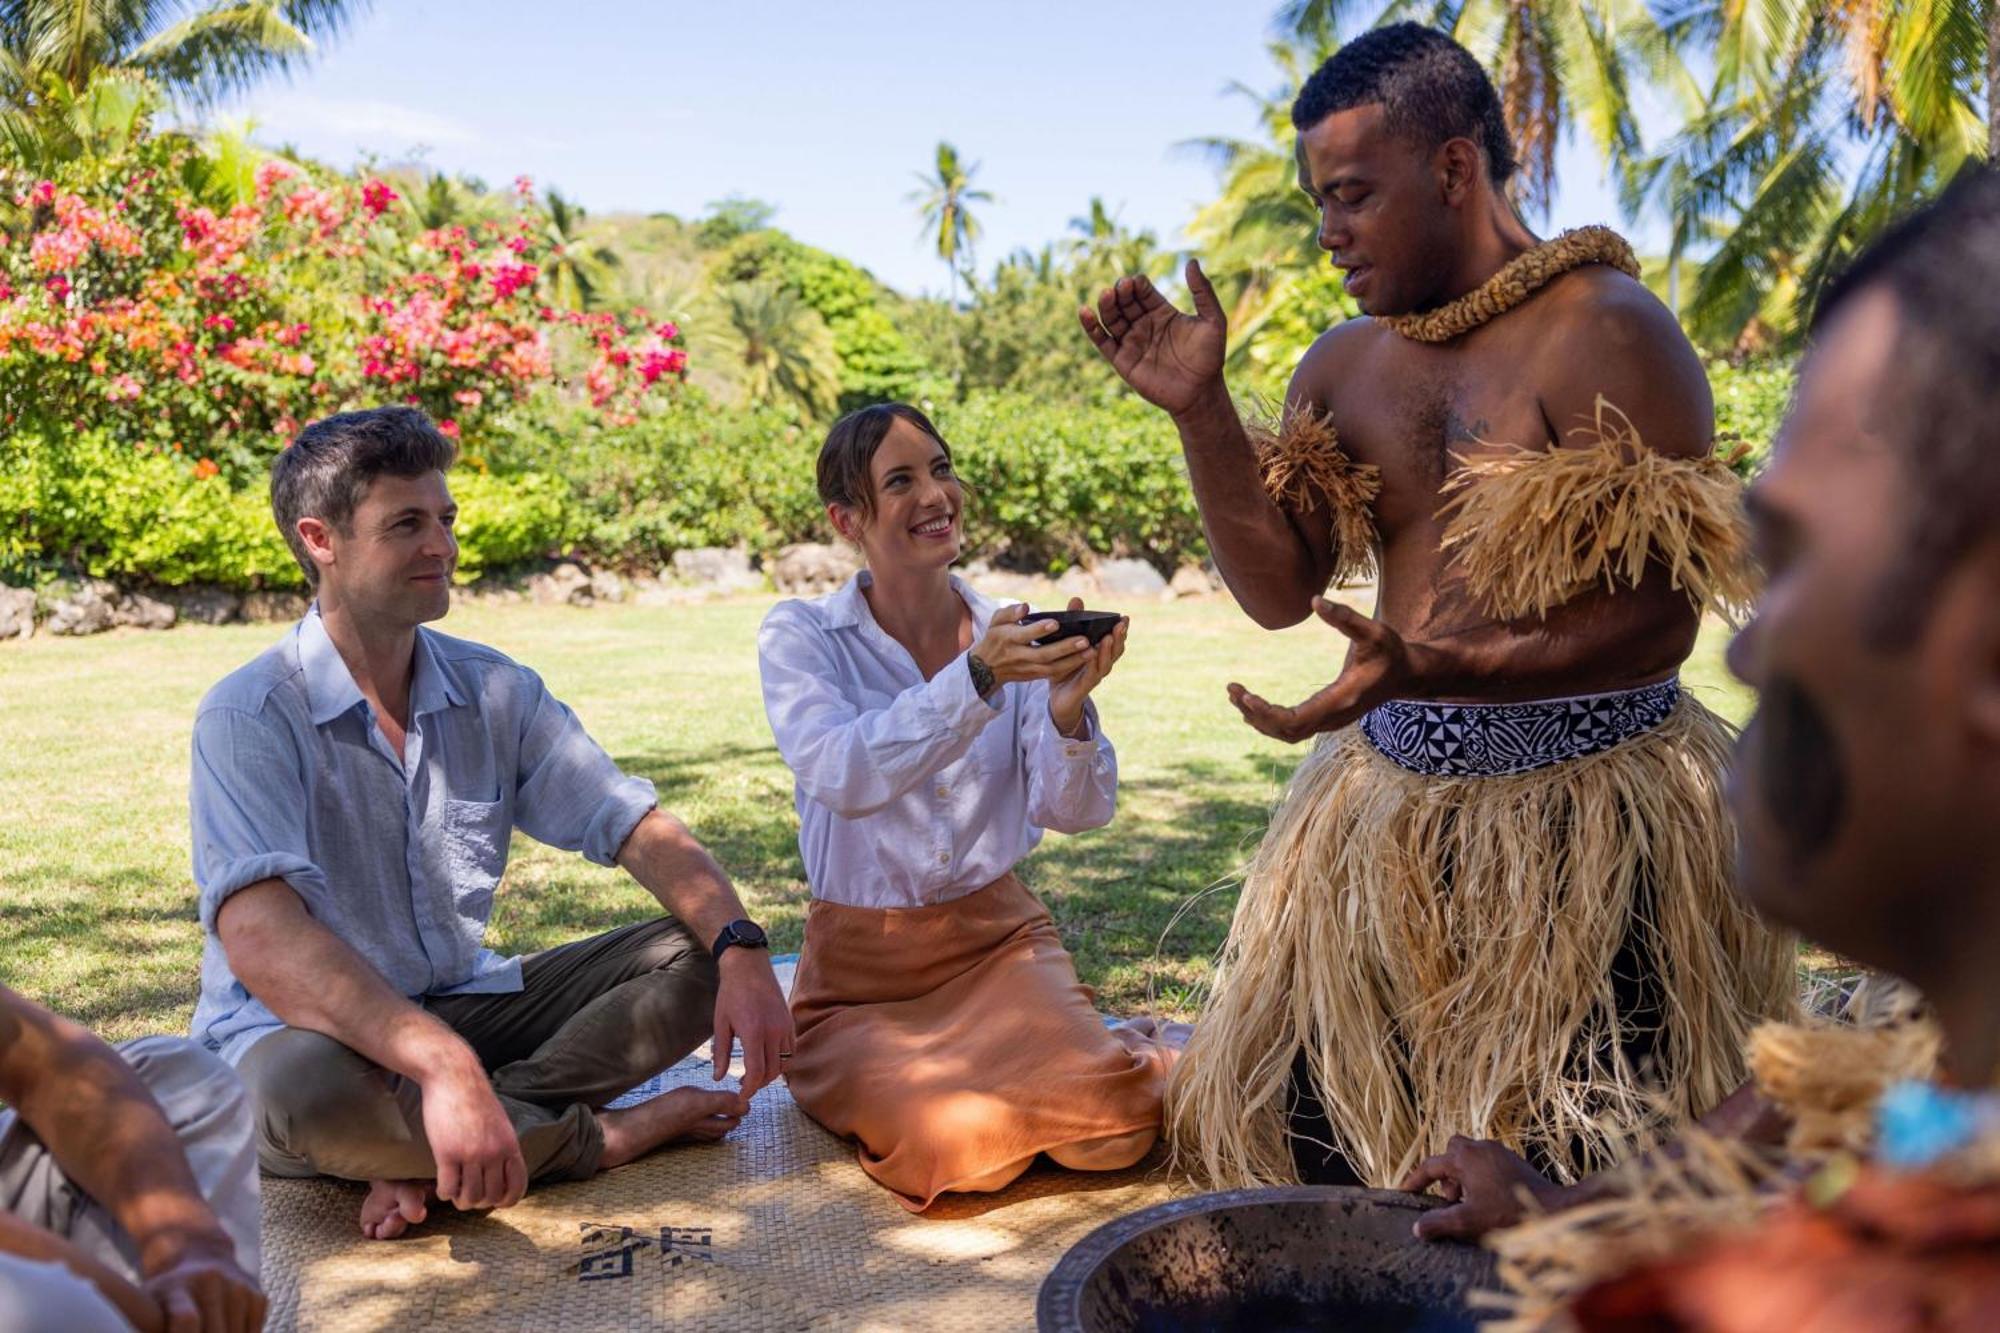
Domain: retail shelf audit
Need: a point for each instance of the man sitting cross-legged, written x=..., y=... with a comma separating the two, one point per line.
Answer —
x=354, y=791
x=128, y=1186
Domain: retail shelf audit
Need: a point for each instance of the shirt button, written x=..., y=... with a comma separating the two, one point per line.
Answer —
x=944, y=858
x=943, y=792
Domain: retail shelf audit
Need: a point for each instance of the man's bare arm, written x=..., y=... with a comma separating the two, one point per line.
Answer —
x=1273, y=562
x=108, y=1135
x=676, y=869
x=1174, y=361
x=31, y=1242
x=312, y=979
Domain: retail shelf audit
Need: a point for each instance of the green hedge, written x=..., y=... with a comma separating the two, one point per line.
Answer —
x=113, y=510
x=1052, y=482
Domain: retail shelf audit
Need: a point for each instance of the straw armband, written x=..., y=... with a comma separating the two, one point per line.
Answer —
x=1303, y=466
x=1530, y=529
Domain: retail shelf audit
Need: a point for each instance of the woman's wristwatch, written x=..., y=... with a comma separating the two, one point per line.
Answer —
x=748, y=934
x=983, y=682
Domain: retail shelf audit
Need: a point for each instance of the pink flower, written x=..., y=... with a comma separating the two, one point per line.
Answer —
x=376, y=196
x=669, y=331
x=58, y=289
x=122, y=389
x=511, y=278
x=448, y=428
x=271, y=173
x=43, y=194
x=468, y=397
x=524, y=187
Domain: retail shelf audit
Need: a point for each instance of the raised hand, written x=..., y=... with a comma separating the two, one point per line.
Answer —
x=1378, y=668
x=1170, y=358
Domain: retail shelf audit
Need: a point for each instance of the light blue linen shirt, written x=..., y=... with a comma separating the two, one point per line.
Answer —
x=398, y=857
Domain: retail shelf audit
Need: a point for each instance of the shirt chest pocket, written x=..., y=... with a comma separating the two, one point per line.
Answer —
x=475, y=852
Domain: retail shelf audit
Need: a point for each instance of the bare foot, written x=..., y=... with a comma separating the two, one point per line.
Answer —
x=394, y=1206
x=678, y=1115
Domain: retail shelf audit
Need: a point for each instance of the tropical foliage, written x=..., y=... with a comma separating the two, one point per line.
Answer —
x=173, y=305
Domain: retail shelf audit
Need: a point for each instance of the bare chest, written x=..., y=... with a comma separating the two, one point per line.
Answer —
x=1414, y=411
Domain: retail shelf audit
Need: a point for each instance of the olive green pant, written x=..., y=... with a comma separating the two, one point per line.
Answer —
x=591, y=1020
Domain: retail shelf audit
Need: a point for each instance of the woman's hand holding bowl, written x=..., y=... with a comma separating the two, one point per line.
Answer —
x=1068, y=693
x=1009, y=652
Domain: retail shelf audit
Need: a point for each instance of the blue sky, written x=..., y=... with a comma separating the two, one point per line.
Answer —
x=826, y=110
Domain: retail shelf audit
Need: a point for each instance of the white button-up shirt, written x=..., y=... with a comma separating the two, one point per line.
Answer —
x=912, y=791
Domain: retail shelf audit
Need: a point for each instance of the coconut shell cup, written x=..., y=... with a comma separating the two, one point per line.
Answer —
x=1092, y=625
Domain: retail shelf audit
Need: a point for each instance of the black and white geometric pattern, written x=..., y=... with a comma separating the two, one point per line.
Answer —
x=1492, y=740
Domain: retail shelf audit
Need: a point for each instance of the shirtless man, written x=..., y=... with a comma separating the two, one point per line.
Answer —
x=1867, y=781
x=1420, y=946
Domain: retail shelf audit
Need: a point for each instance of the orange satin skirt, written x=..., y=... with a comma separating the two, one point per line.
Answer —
x=953, y=1040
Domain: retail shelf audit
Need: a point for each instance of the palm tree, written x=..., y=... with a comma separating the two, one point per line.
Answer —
x=98, y=120
x=783, y=350
x=1767, y=171
x=944, y=203
x=1557, y=65
x=197, y=50
x=577, y=270
x=1259, y=236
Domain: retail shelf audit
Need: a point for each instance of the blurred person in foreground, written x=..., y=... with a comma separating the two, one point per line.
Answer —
x=128, y=1184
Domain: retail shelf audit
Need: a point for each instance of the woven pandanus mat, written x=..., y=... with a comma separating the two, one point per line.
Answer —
x=774, y=1228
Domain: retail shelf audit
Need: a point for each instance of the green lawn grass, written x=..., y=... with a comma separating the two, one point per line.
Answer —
x=97, y=906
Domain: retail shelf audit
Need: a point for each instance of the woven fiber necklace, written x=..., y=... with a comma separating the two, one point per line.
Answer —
x=1522, y=277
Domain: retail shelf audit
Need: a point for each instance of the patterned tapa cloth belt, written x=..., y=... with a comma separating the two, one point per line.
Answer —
x=1492, y=740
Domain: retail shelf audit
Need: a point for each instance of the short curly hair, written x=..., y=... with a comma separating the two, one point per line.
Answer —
x=1429, y=87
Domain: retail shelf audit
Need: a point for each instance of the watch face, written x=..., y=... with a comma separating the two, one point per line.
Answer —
x=748, y=932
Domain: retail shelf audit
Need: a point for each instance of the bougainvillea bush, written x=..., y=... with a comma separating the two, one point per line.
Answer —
x=147, y=303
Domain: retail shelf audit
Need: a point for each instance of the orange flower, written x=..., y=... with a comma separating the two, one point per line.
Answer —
x=205, y=468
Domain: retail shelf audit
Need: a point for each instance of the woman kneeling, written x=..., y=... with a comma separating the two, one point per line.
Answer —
x=940, y=1022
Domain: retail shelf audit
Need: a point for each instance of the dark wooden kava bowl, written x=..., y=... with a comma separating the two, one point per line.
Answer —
x=1312, y=1257
x=1092, y=625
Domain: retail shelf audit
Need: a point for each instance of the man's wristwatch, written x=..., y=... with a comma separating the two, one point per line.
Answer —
x=748, y=934
x=983, y=682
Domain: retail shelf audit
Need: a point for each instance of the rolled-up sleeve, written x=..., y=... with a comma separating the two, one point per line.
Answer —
x=569, y=794
x=1072, y=784
x=247, y=806
x=854, y=761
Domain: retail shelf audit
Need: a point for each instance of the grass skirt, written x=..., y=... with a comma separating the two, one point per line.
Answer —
x=1441, y=951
